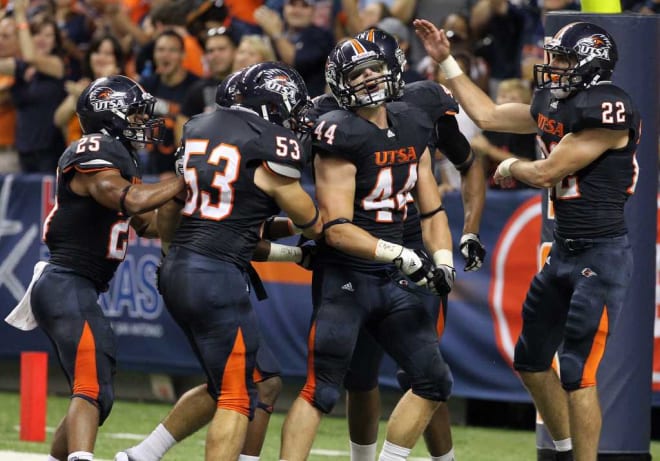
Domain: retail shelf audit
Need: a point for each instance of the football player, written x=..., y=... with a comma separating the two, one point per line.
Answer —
x=99, y=196
x=363, y=408
x=242, y=165
x=589, y=130
x=196, y=407
x=370, y=155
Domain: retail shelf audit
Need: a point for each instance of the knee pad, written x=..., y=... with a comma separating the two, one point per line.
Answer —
x=103, y=402
x=269, y=390
x=265, y=407
x=403, y=379
x=323, y=396
x=435, y=384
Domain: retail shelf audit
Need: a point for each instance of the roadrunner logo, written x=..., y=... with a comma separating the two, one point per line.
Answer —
x=596, y=46
x=284, y=86
x=105, y=98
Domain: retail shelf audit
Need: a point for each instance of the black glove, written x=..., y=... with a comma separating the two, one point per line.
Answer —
x=309, y=251
x=441, y=281
x=473, y=252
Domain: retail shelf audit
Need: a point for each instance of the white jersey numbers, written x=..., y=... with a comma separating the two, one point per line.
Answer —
x=229, y=158
x=383, y=200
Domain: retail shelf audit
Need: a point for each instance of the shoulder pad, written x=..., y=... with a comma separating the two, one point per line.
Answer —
x=339, y=132
x=94, y=152
x=434, y=99
x=280, y=146
x=603, y=106
x=409, y=112
x=321, y=105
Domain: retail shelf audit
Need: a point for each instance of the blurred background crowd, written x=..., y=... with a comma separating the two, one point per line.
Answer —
x=180, y=50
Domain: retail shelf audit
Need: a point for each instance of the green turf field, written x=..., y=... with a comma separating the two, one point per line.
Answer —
x=130, y=418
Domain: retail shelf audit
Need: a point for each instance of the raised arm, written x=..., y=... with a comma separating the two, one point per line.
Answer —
x=510, y=117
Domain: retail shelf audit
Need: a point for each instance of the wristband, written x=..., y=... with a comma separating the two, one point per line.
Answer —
x=450, y=67
x=387, y=252
x=504, y=168
x=443, y=258
x=309, y=223
x=284, y=253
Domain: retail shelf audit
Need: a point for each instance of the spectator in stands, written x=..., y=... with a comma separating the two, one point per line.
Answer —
x=103, y=58
x=458, y=31
x=650, y=7
x=534, y=35
x=496, y=147
x=170, y=83
x=220, y=48
x=400, y=32
x=499, y=26
x=208, y=15
x=164, y=15
x=8, y=50
x=37, y=91
x=76, y=30
x=358, y=15
x=297, y=41
x=253, y=49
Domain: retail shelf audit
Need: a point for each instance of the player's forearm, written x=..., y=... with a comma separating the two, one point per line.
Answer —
x=476, y=103
x=435, y=232
x=473, y=194
x=535, y=174
x=145, y=197
x=352, y=240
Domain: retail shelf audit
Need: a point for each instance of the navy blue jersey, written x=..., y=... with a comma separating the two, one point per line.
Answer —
x=224, y=208
x=82, y=234
x=386, y=162
x=590, y=202
x=435, y=101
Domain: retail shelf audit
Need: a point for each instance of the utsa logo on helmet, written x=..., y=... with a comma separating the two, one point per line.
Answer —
x=283, y=85
x=597, y=46
x=105, y=98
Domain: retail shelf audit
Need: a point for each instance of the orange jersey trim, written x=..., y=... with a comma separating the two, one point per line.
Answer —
x=597, y=352
x=309, y=389
x=233, y=393
x=85, y=380
x=440, y=324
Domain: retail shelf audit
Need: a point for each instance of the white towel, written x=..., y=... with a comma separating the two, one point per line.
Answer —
x=21, y=316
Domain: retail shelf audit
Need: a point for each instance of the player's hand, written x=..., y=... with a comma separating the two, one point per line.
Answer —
x=178, y=161
x=435, y=41
x=473, y=252
x=309, y=250
x=416, y=265
x=442, y=279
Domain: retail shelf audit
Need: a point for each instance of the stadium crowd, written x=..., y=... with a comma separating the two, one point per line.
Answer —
x=252, y=69
x=179, y=50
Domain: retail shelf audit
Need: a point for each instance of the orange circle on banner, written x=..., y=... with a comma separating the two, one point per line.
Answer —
x=656, y=337
x=513, y=265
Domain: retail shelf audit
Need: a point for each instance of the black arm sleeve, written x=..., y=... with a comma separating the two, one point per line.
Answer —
x=453, y=143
